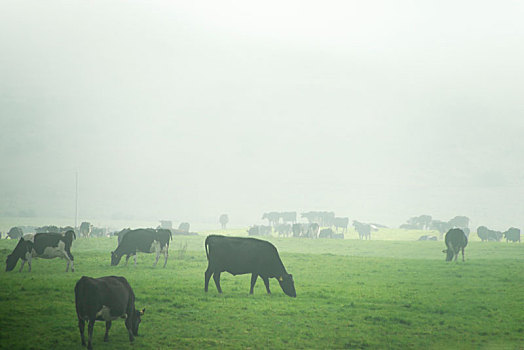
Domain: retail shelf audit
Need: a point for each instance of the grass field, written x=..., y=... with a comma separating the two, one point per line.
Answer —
x=353, y=294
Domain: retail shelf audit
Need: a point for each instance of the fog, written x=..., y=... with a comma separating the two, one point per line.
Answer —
x=376, y=110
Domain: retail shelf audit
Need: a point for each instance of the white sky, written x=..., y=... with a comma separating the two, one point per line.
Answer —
x=376, y=110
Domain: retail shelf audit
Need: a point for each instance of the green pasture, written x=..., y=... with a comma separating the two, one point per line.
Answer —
x=392, y=292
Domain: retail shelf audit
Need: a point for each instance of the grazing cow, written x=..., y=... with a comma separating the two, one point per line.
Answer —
x=145, y=241
x=428, y=238
x=341, y=223
x=364, y=230
x=105, y=299
x=15, y=233
x=512, y=234
x=273, y=218
x=85, y=229
x=455, y=241
x=240, y=255
x=223, y=219
x=283, y=229
x=184, y=226
x=46, y=245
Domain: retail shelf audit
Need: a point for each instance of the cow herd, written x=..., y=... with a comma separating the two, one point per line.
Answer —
x=110, y=298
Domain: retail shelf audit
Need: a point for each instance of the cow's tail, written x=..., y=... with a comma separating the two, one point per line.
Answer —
x=206, y=246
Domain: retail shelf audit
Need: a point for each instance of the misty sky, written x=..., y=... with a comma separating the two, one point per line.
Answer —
x=377, y=110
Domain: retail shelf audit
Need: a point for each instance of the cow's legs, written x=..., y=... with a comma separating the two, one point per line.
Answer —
x=130, y=328
x=127, y=258
x=135, y=258
x=90, y=327
x=21, y=267
x=67, y=266
x=462, y=253
x=166, y=254
x=253, y=281
x=157, y=257
x=108, y=327
x=70, y=260
x=216, y=277
x=81, y=327
x=207, y=276
x=266, y=283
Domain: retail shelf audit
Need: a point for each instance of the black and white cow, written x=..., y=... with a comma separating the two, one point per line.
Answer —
x=145, y=241
x=46, y=245
x=312, y=230
x=241, y=255
x=105, y=299
x=85, y=229
x=456, y=241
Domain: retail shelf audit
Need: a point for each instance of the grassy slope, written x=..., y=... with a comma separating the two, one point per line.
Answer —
x=351, y=294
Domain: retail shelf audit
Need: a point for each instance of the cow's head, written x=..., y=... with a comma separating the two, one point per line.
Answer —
x=449, y=254
x=10, y=262
x=115, y=258
x=137, y=318
x=287, y=284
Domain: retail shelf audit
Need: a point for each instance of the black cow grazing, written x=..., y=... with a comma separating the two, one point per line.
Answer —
x=364, y=230
x=341, y=223
x=15, y=233
x=240, y=255
x=46, y=245
x=105, y=299
x=456, y=241
x=512, y=234
x=145, y=241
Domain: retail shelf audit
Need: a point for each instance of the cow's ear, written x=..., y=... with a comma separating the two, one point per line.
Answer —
x=143, y=311
x=280, y=279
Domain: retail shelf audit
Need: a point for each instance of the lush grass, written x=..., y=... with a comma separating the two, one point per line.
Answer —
x=351, y=294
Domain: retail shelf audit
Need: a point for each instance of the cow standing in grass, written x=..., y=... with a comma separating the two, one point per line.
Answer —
x=105, y=299
x=240, y=255
x=455, y=241
x=145, y=241
x=512, y=234
x=364, y=230
x=46, y=245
